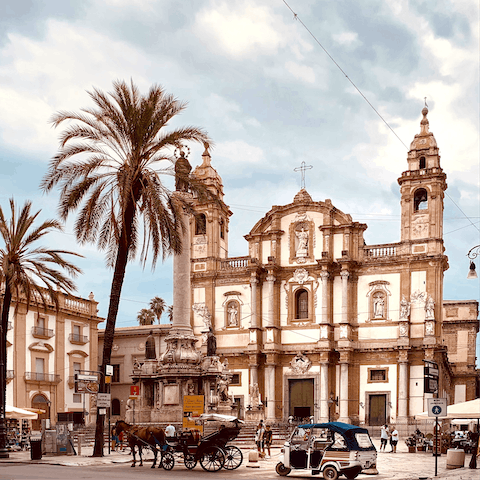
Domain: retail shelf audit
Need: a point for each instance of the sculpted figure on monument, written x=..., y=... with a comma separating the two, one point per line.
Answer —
x=302, y=236
x=232, y=315
x=404, y=308
x=150, y=347
x=182, y=170
x=378, y=305
x=222, y=388
x=211, y=343
x=430, y=308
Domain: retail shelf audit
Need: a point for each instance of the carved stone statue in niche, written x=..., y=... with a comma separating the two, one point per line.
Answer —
x=378, y=305
x=232, y=314
x=150, y=347
x=254, y=395
x=302, y=245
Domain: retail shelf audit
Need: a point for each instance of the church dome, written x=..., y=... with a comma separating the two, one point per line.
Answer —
x=302, y=197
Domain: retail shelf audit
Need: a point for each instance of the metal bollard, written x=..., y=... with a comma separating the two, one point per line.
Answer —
x=79, y=444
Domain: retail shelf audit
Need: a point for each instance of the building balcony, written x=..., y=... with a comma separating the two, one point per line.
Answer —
x=10, y=375
x=44, y=333
x=77, y=339
x=9, y=325
x=35, y=377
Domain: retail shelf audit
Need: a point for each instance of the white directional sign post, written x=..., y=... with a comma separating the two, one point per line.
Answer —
x=437, y=407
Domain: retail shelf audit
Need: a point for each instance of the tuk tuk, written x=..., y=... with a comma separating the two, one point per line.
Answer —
x=332, y=449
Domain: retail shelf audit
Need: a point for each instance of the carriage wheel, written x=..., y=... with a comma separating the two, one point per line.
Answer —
x=233, y=458
x=168, y=461
x=212, y=459
x=190, y=461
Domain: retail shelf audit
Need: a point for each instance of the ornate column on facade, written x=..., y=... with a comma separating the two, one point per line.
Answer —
x=402, y=413
x=270, y=387
x=324, y=279
x=270, y=280
x=344, y=390
x=324, y=406
x=344, y=275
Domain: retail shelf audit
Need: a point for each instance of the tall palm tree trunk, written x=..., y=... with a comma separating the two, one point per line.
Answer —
x=7, y=299
x=115, y=293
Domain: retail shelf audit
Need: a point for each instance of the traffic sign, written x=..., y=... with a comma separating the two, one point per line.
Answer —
x=104, y=400
x=437, y=407
x=134, y=391
x=86, y=378
x=109, y=370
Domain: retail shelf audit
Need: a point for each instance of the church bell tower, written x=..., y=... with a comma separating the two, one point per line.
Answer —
x=210, y=225
x=422, y=189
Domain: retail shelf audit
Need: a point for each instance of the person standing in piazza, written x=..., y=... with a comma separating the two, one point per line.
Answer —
x=267, y=440
x=383, y=437
x=394, y=439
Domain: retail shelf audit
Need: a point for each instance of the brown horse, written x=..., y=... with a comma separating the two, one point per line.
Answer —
x=139, y=437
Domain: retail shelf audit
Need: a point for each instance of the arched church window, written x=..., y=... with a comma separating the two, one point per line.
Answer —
x=222, y=229
x=420, y=200
x=301, y=304
x=200, y=224
x=423, y=163
x=115, y=406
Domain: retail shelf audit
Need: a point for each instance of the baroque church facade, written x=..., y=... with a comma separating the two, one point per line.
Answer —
x=314, y=322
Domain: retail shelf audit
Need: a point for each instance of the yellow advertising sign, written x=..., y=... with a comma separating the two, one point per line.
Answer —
x=193, y=407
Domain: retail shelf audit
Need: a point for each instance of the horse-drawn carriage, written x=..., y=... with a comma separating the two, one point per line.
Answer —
x=211, y=451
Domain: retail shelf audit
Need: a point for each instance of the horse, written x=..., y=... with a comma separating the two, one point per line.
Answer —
x=142, y=436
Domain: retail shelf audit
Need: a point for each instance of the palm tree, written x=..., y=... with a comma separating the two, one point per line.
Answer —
x=27, y=270
x=170, y=313
x=145, y=317
x=109, y=167
x=157, y=306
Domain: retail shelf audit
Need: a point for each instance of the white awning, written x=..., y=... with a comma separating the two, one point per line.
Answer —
x=19, y=413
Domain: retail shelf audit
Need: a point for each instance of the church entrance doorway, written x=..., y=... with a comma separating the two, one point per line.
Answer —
x=40, y=402
x=301, y=398
x=377, y=410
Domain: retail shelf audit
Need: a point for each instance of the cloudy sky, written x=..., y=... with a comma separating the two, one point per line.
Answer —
x=270, y=98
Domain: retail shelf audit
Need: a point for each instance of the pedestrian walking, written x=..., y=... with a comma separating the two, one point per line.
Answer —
x=267, y=440
x=383, y=437
x=394, y=439
x=259, y=439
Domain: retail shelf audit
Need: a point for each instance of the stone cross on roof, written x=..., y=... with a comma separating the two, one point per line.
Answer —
x=302, y=169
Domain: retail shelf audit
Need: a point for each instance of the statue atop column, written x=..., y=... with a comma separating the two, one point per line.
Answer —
x=182, y=171
x=150, y=347
x=222, y=388
x=211, y=343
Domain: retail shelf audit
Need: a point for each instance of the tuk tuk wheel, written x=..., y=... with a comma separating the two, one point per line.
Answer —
x=212, y=459
x=282, y=470
x=167, y=461
x=330, y=473
x=233, y=458
x=190, y=461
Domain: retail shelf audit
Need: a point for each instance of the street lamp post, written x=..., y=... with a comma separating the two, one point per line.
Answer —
x=472, y=254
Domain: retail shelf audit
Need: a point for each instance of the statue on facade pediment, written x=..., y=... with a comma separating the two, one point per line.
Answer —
x=302, y=247
x=404, y=308
x=430, y=309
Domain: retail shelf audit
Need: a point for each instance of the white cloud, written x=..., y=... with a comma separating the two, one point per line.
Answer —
x=346, y=38
x=239, y=151
x=240, y=28
x=302, y=72
x=41, y=77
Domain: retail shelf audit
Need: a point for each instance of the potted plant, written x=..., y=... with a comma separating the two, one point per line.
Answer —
x=420, y=444
x=410, y=442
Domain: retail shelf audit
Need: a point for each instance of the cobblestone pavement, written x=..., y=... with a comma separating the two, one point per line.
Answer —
x=396, y=466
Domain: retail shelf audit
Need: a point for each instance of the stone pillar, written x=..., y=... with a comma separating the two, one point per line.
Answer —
x=181, y=280
x=324, y=278
x=270, y=302
x=324, y=392
x=253, y=301
x=402, y=390
x=344, y=363
x=344, y=275
x=270, y=391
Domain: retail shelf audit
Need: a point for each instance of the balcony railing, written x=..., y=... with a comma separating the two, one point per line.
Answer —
x=381, y=251
x=78, y=339
x=42, y=377
x=236, y=262
x=41, y=332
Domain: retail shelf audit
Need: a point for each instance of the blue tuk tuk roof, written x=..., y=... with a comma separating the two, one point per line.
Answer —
x=339, y=427
x=345, y=429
